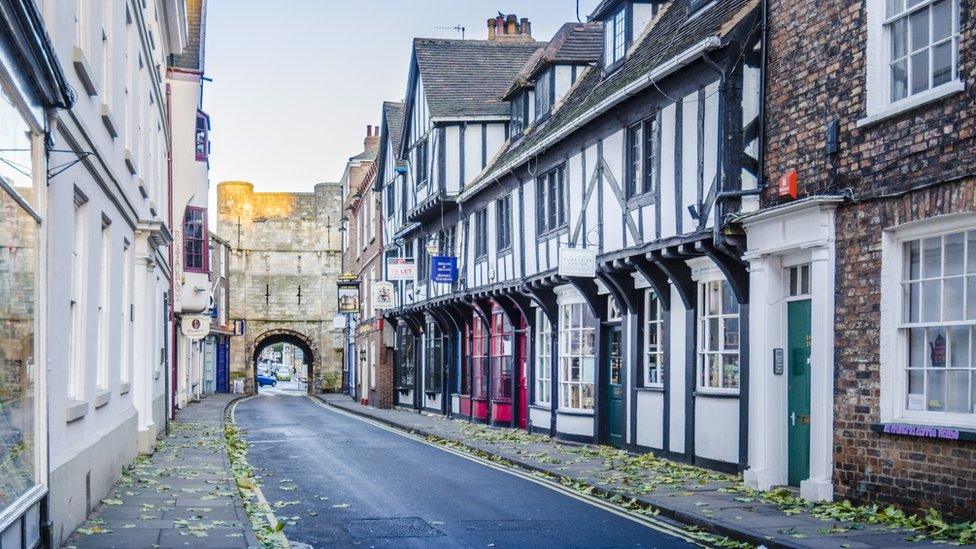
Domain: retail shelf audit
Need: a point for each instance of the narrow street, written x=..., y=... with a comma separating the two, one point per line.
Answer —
x=376, y=488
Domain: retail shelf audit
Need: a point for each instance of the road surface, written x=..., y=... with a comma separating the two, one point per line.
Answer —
x=354, y=484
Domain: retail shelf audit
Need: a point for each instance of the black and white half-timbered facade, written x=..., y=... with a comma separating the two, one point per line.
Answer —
x=601, y=293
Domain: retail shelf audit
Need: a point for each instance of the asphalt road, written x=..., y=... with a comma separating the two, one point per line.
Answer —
x=354, y=484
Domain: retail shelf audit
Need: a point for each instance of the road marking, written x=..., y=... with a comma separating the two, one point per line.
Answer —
x=646, y=521
x=272, y=520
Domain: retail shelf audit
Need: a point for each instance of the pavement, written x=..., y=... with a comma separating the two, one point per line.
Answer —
x=183, y=495
x=335, y=480
x=710, y=502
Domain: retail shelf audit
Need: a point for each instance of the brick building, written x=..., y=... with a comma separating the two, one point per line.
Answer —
x=369, y=353
x=871, y=107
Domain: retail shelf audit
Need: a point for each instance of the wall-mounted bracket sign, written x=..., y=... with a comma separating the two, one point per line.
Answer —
x=382, y=295
x=348, y=297
x=401, y=269
x=580, y=262
x=443, y=269
x=195, y=327
x=778, y=361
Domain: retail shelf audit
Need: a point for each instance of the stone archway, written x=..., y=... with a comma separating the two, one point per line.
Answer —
x=303, y=342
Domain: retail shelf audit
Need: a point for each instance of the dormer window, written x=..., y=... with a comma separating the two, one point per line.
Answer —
x=615, y=37
x=520, y=113
x=545, y=93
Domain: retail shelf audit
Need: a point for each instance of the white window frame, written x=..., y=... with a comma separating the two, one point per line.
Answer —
x=878, y=58
x=893, y=336
x=543, y=363
x=614, y=52
x=701, y=353
x=656, y=325
x=574, y=300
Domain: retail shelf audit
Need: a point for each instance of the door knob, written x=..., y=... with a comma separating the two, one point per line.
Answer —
x=793, y=419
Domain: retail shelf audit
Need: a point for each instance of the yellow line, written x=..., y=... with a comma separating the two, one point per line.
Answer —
x=272, y=520
x=646, y=521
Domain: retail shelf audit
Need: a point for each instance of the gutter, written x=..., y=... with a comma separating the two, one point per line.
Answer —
x=677, y=62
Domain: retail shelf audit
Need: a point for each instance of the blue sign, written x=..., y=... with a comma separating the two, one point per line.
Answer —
x=443, y=269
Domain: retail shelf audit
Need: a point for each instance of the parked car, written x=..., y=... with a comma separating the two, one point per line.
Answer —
x=283, y=374
x=266, y=380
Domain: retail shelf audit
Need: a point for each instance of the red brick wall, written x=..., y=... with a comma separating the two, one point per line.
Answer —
x=916, y=165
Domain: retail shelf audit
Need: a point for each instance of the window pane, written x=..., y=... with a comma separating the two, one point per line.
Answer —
x=912, y=260
x=899, y=80
x=899, y=39
x=931, y=300
x=920, y=72
x=916, y=348
x=937, y=347
x=730, y=371
x=729, y=304
x=731, y=334
x=919, y=22
x=971, y=246
x=971, y=297
x=893, y=7
x=957, y=397
x=954, y=251
x=959, y=346
x=942, y=63
x=714, y=367
x=941, y=20
x=713, y=334
x=916, y=388
x=953, y=300
x=937, y=390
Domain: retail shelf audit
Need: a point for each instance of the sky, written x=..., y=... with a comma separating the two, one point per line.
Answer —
x=295, y=82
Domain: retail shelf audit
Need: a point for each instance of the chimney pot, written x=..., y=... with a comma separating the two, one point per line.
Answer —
x=499, y=25
x=510, y=25
x=491, y=29
x=526, y=27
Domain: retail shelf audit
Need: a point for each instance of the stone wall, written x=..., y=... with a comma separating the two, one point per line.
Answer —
x=914, y=165
x=284, y=263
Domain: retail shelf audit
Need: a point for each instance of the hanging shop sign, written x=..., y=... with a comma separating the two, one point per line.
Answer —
x=443, y=269
x=401, y=269
x=580, y=262
x=339, y=322
x=195, y=327
x=382, y=295
x=348, y=297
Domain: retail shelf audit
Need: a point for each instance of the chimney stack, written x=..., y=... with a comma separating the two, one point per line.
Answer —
x=372, y=137
x=509, y=28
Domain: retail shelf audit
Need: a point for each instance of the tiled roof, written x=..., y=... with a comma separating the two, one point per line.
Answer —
x=393, y=114
x=468, y=77
x=573, y=44
x=193, y=54
x=673, y=33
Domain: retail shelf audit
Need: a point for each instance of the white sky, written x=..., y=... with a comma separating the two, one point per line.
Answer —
x=295, y=82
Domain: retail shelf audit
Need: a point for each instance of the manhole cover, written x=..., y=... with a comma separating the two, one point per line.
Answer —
x=407, y=527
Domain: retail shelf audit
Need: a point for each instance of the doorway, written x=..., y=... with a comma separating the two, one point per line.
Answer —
x=612, y=398
x=798, y=310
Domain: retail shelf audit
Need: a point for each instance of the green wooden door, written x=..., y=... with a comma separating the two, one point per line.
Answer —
x=798, y=412
x=613, y=394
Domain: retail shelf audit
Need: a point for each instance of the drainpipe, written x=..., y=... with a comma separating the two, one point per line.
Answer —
x=170, y=380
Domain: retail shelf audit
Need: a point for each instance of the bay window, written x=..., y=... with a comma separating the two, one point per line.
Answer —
x=718, y=341
x=434, y=358
x=543, y=360
x=937, y=323
x=653, y=340
x=195, y=240
x=406, y=362
x=502, y=336
x=577, y=356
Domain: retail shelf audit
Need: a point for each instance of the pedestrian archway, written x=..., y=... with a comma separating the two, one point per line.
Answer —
x=271, y=338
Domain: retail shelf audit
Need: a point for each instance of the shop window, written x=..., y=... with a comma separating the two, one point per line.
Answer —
x=653, y=340
x=407, y=359
x=937, y=324
x=502, y=359
x=479, y=359
x=434, y=355
x=718, y=343
x=195, y=240
x=577, y=359
x=543, y=360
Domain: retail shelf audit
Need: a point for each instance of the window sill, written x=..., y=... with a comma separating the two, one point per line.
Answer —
x=914, y=102
x=651, y=389
x=544, y=407
x=924, y=431
x=717, y=393
x=76, y=409
x=124, y=388
x=645, y=198
x=574, y=412
x=84, y=71
x=546, y=235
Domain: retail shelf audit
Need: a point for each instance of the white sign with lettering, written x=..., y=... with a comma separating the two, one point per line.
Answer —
x=400, y=269
x=577, y=262
x=382, y=295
